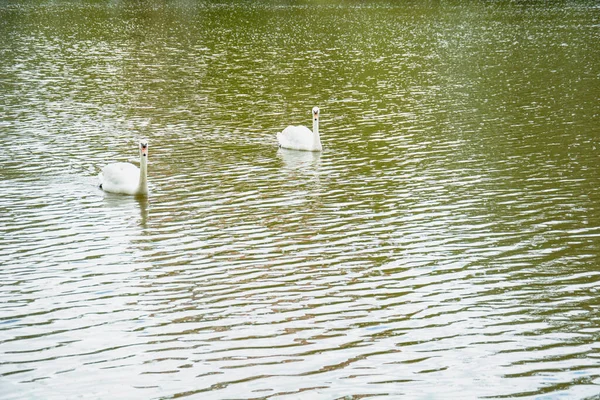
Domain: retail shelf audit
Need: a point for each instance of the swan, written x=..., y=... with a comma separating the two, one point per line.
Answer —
x=126, y=178
x=300, y=137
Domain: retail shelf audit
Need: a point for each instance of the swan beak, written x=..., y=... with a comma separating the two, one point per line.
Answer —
x=144, y=150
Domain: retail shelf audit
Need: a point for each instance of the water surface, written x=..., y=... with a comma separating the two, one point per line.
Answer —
x=445, y=244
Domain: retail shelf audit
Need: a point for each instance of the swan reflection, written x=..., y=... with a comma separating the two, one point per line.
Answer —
x=307, y=161
x=123, y=208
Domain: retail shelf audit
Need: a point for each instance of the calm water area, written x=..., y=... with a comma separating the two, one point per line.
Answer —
x=444, y=245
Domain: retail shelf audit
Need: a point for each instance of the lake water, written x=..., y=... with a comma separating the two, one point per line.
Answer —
x=444, y=245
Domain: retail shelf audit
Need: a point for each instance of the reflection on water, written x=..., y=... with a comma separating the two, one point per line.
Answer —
x=300, y=161
x=130, y=208
x=443, y=245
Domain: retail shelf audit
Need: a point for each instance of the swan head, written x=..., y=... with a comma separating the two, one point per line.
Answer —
x=144, y=148
x=315, y=112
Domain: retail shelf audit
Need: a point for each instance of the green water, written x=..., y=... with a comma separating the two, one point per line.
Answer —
x=445, y=244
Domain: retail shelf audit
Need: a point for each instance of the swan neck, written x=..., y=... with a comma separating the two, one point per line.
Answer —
x=143, y=184
x=316, y=136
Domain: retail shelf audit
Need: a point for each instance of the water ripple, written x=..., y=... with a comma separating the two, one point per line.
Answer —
x=443, y=245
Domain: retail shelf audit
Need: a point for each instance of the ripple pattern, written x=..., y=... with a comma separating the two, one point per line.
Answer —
x=444, y=244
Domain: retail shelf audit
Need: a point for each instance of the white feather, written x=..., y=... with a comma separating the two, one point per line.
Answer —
x=300, y=137
x=126, y=178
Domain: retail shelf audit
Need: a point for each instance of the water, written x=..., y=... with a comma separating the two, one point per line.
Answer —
x=445, y=244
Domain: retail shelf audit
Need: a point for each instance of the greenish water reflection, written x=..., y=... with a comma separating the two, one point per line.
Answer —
x=444, y=244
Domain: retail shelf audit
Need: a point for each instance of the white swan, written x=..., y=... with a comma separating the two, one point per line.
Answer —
x=300, y=137
x=126, y=178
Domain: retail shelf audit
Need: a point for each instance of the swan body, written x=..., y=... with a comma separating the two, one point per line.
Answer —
x=126, y=178
x=300, y=137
